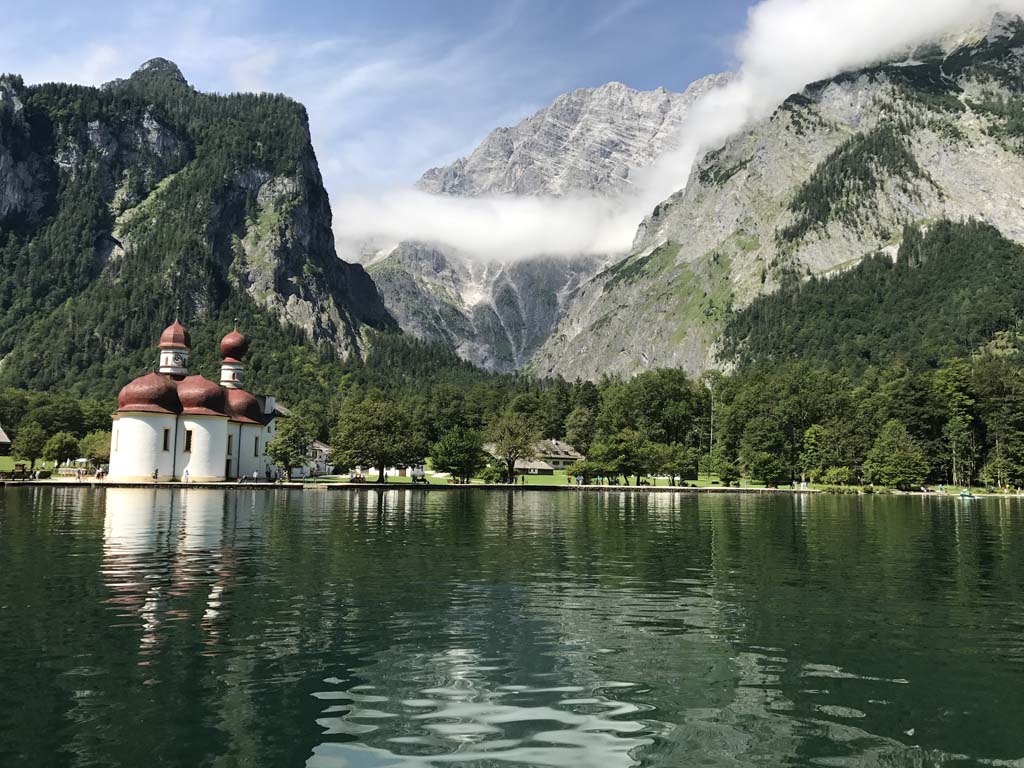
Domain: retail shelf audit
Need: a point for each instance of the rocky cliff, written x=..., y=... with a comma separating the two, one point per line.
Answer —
x=832, y=176
x=498, y=314
x=122, y=206
x=589, y=140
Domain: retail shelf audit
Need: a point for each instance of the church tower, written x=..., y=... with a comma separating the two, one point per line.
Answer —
x=233, y=347
x=174, y=349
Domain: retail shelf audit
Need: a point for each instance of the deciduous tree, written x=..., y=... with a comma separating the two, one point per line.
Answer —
x=459, y=453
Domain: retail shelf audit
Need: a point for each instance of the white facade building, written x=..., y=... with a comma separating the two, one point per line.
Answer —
x=173, y=426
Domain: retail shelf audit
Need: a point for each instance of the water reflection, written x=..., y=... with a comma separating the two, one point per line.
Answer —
x=366, y=628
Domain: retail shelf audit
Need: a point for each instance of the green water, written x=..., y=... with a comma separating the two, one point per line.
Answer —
x=347, y=628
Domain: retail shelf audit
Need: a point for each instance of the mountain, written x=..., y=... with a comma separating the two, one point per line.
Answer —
x=497, y=314
x=589, y=140
x=834, y=175
x=124, y=205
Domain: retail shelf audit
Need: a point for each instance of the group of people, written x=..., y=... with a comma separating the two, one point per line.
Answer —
x=275, y=476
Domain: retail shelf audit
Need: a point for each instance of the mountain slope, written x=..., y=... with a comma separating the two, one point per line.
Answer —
x=497, y=314
x=949, y=292
x=832, y=176
x=122, y=206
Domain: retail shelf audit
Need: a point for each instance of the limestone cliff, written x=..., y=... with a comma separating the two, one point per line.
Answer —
x=123, y=205
x=833, y=175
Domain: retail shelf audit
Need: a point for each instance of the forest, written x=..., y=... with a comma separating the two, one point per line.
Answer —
x=960, y=423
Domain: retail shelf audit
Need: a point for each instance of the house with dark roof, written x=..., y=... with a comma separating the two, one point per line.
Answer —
x=548, y=457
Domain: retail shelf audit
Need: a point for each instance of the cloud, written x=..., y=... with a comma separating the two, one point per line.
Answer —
x=786, y=45
x=488, y=227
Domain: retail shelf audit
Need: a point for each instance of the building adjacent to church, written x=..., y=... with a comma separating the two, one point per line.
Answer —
x=175, y=426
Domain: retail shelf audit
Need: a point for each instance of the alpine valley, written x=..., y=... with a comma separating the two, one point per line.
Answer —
x=497, y=314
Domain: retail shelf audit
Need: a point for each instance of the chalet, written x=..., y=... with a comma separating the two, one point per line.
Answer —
x=5, y=443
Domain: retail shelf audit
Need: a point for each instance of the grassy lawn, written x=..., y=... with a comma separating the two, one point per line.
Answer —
x=7, y=464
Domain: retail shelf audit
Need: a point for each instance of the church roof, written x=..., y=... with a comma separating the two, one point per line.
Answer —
x=234, y=346
x=175, y=337
x=152, y=393
x=243, y=407
x=3, y=436
x=201, y=397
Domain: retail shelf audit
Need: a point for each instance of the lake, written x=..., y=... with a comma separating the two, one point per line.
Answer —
x=153, y=627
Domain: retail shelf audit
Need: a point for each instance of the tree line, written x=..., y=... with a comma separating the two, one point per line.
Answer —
x=960, y=423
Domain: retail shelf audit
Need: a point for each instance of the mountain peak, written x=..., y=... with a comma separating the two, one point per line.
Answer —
x=586, y=141
x=160, y=67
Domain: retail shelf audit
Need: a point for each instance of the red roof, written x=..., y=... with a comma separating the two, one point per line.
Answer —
x=234, y=346
x=201, y=397
x=152, y=393
x=244, y=407
x=175, y=337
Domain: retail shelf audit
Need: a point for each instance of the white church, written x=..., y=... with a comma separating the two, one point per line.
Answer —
x=173, y=426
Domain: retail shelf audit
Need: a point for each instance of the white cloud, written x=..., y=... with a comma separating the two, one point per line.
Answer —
x=787, y=44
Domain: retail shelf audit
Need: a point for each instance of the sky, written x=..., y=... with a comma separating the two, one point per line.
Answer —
x=392, y=87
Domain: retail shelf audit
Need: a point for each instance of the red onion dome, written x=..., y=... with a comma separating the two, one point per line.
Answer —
x=244, y=407
x=234, y=346
x=175, y=337
x=153, y=393
x=201, y=396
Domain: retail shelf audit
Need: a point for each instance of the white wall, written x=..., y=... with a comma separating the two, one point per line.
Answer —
x=249, y=462
x=205, y=462
x=136, y=446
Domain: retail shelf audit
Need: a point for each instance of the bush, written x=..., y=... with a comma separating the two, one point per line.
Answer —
x=492, y=474
x=837, y=476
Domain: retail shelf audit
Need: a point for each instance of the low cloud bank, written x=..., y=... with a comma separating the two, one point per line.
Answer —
x=787, y=44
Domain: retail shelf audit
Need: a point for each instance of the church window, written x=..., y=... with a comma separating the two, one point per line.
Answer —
x=167, y=439
x=188, y=440
x=256, y=447
x=231, y=443
x=117, y=437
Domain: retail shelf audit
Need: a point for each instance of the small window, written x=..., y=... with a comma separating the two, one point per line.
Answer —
x=256, y=446
x=188, y=440
x=117, y=437
x=167, y=439
x=231, y=445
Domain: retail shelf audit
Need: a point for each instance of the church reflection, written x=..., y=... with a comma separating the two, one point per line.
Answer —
x=163, y=547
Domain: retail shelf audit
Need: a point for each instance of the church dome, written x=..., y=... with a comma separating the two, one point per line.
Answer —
x=201, y=396
x=244, y=407
x=175, y=337
x=234, y=346
x=153, y=393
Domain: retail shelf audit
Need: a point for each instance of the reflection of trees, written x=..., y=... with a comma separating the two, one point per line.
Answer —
x=703, y=623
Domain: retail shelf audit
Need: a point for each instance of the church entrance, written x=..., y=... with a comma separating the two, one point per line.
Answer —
x=227, y=470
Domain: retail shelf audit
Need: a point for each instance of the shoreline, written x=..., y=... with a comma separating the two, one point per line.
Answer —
x=402, y=487
x=438, y=487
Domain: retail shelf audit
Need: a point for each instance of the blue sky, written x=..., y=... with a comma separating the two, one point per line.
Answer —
x=392, y=86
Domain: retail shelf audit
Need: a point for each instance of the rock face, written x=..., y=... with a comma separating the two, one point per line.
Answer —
x=833, y=175
x=492, y=314
x=589, y=140
x=129, y=203
x=497, y=314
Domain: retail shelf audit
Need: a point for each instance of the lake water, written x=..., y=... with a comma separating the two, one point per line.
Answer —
x=146, y=627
